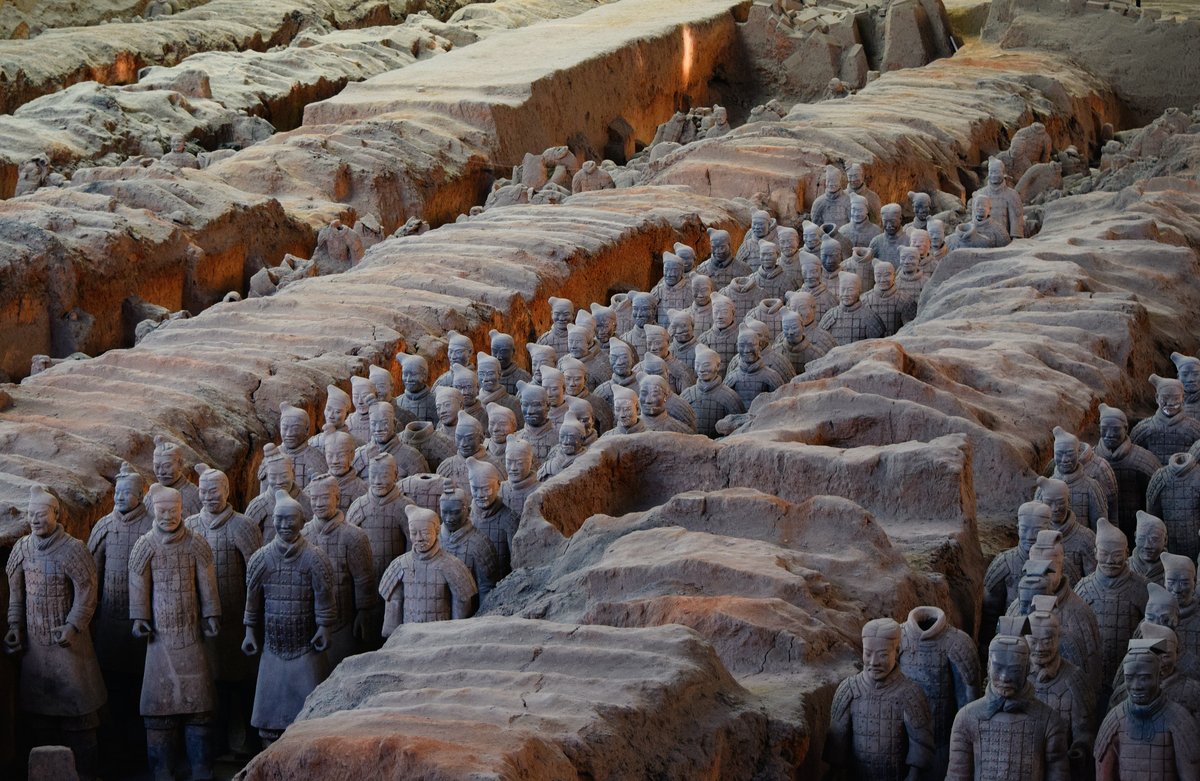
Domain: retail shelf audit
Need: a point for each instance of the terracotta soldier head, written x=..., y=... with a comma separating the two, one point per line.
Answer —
x=484, y=480
x=214, y=489
x=1049, y=548
x=281, y=475
x=423, y=528
x=452, y=507
x=1114, y=427
x=881, y=647
x=561, y=312
x=570, y=435
x=579, y=339
x=1150, y=537
x=672, y=269
x=803, y=304
x=1032, y=518
x=683, y=326
x=501, y=422
x=382, y=474
x=130, y=487
x=574, y=374
x=337, y=406
x=981, y=208
x=760, y=223
x=996, y=172
x=687, y=255
x=294, y=426
x=503, y=347
x=620, y=358
x=1045, y=633
x=1179, y=577
x=339, y=451
x=657, y=341
x=1143, y=672
x=606, y=322
x=555, y=386
x=414, y=373
x=922, y=205
x=910, y=260
x=535, y=406
x=892, y=217
x=643, y=309
x=1162, y=607
x=937, y=233
x=583, y=412
x=43, y=512
x=748, y=348
x=768, y=255
x=885, y=274
x=468, y=435
x=382, y=421
x=719, y=241
x=831, y=255
x=168, y=461
x=288, y=518
x=702, y=290
x=168, y=508
x=1008, y=664
x=1188, y=371
x=1037, y=578
x=540, y=355
x=833, y=180
x=1066, y=451
x=487, y=372
x=793, y=331
x=322, y=492
x=362, y=393
x=518, y=460
x=789, y=239
x=459, y=349
x=854, y=176
x=812, y=235
x=448, y=402
x=859, y=210
x=1166, y=643
x=1057, y=496
x=653, y=392
x=1168, y=394
x=1112, y=549
x=466, y=382
x=849, y=288
x=918, y=239
x=381, y=378
x=626, y=410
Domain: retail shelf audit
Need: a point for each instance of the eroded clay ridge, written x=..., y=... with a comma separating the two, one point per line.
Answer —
x=115, y=53
x=431, y=159
x=214, y=382
x=516, y=700
x=1011, y=342
x=923, y=129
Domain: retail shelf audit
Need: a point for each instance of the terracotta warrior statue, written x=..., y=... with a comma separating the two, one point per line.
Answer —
x=626, y=414
x=120, y=655
x=1179, y=578
x=910, y=279
x=1187, y=371
x=574, y=374
x=1150, y=540
x=1132, y=466
x=856, y=184
x=644, y=313
x=337, y=410
x=770, y=277
x=502, y=422
x=604, y=319
x=1004, y=573
x=385, y=439
x=677, y=408
x=851, y=321
x=504, y=350
x=621, y=358
x=381, y=378
x=561, y=312
x=290, y=600
x=710, y=397
x=448, y=401
x=380, y=513
x=417, y=401
x=1078, y=541
x=339, y=454
x=425, y=584
x=794, y=345
x=922, y=206
x=674, y=290
x=468, y=443
x=1176, y=686
x=886, y=246
x=1170, y=430
x=520, y=473
x=722, y=267
x=682, y=331
x=1087, y=497
x=583, y=346
x=462, y=540
x=831, y=256
x=1007, y=209
x=762, y=228
x=653, y=392
x=279, y=476
x=805, y=306
x=459, y=349
x=433, y=446
x=658, y=343
x=1117, y=596
x=942, y=660
x=233, y=539
x=169, y=471
x=466, y=383
x=362, y=396
x=722, y=336
x=1147, y=736
x=540, y=355
x=751, y=376
x=886, y=300
x=489, y=514
x=52, y=593
x=789, y=251
x=349, y=553
x=491, y=389
x=1174, y=496
x=859, y=231
x=338, y=249
x=570, y=446
x=1008, y=733
x=701, y=306
x=308, y=461
x=880, y=726
x=937, y=246
x=175, y=605
x=1060, y=684
x=833, y=205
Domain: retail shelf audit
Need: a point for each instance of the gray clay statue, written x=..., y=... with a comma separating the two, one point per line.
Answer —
x=1088, y=500
x=1146, y=736
x=722, y=267
x=423, y=437
x=1004, y=573
x=337, y=412
x=722, y=335
x=1007, y=210
x=561, y=311
x=674, y=290
x=1078, y=541
x=489, y=514
x=762, y=228
x=502, y=423
x=52, y=593
x=885, y=299
x=538, y=430
x=751, y=376
x=833, y=205
x=621, y=359
x=570, y=446
x=466, y=382
x=1170, y=430
x=290, y=601
x=463, y=541
x=1187, y=371
x=349, y=552
x=856, y=184
x=384, y=439
x=658, y=343
x=942, y=660
x=459, y=351
x=358, y=422
x=1179, y=578
x=491, y=388
x=653, y=393
x=279, y=475
x=417, y=400
x=794, y=344
x=540, y=355
x=880, y=726
x=174, y=604
x=426, y=583
x=1175, y=685
x=520, y=475
x=701, y=303
x=886, y=246
x=1059, y=684
x=308, y=461
x=339, y=455
x=575, y=379
x=504, y=349
x=644, y=312
x=339, y=248
x=1008, y=733
x=710, y=397
x=1174, y=496
x=859, y=231
x=626, y=414
x=1150, y=540
x=805, y=306
x=851, y=320
x=170, y=472
x=772, y=279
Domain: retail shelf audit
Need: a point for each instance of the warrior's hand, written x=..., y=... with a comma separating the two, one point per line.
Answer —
x=250, y=644
x=63, y=635
x=320, y=640
x=142, y=629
